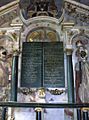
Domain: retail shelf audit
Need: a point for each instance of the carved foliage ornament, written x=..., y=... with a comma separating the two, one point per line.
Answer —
x=9, y=39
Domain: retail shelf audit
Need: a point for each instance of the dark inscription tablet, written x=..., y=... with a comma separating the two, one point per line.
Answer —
x=54, y=65
x=31, y=65
x=42, y=65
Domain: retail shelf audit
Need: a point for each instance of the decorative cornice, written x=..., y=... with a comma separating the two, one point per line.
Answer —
x=67, y=25
x=9, y=12
x=9, y=7
x=77, y=11
x=75, y=3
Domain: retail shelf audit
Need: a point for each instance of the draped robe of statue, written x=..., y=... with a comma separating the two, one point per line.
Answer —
x=84, y=86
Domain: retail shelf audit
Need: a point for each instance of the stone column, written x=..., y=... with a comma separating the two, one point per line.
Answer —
x=14, y=80
x=70, y=78
x=79, y=114
x=4, y=113
x=69, y=114
x=85, y=115
x=38, y=113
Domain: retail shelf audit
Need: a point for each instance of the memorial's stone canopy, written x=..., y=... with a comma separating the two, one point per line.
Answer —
x=42, y=64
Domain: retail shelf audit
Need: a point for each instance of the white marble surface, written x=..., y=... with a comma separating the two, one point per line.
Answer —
x=50, y=114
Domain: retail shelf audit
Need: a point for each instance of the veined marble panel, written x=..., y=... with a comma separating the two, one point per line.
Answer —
x=47, y=114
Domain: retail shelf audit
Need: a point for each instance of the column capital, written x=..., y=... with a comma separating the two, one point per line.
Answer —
x=68, y=49
x=16, y=53
x=38, y=109
x=85, y=109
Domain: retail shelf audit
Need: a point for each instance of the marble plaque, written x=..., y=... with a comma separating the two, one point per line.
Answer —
x=42, y=64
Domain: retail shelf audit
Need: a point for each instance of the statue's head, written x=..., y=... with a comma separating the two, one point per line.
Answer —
x=3, y=53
